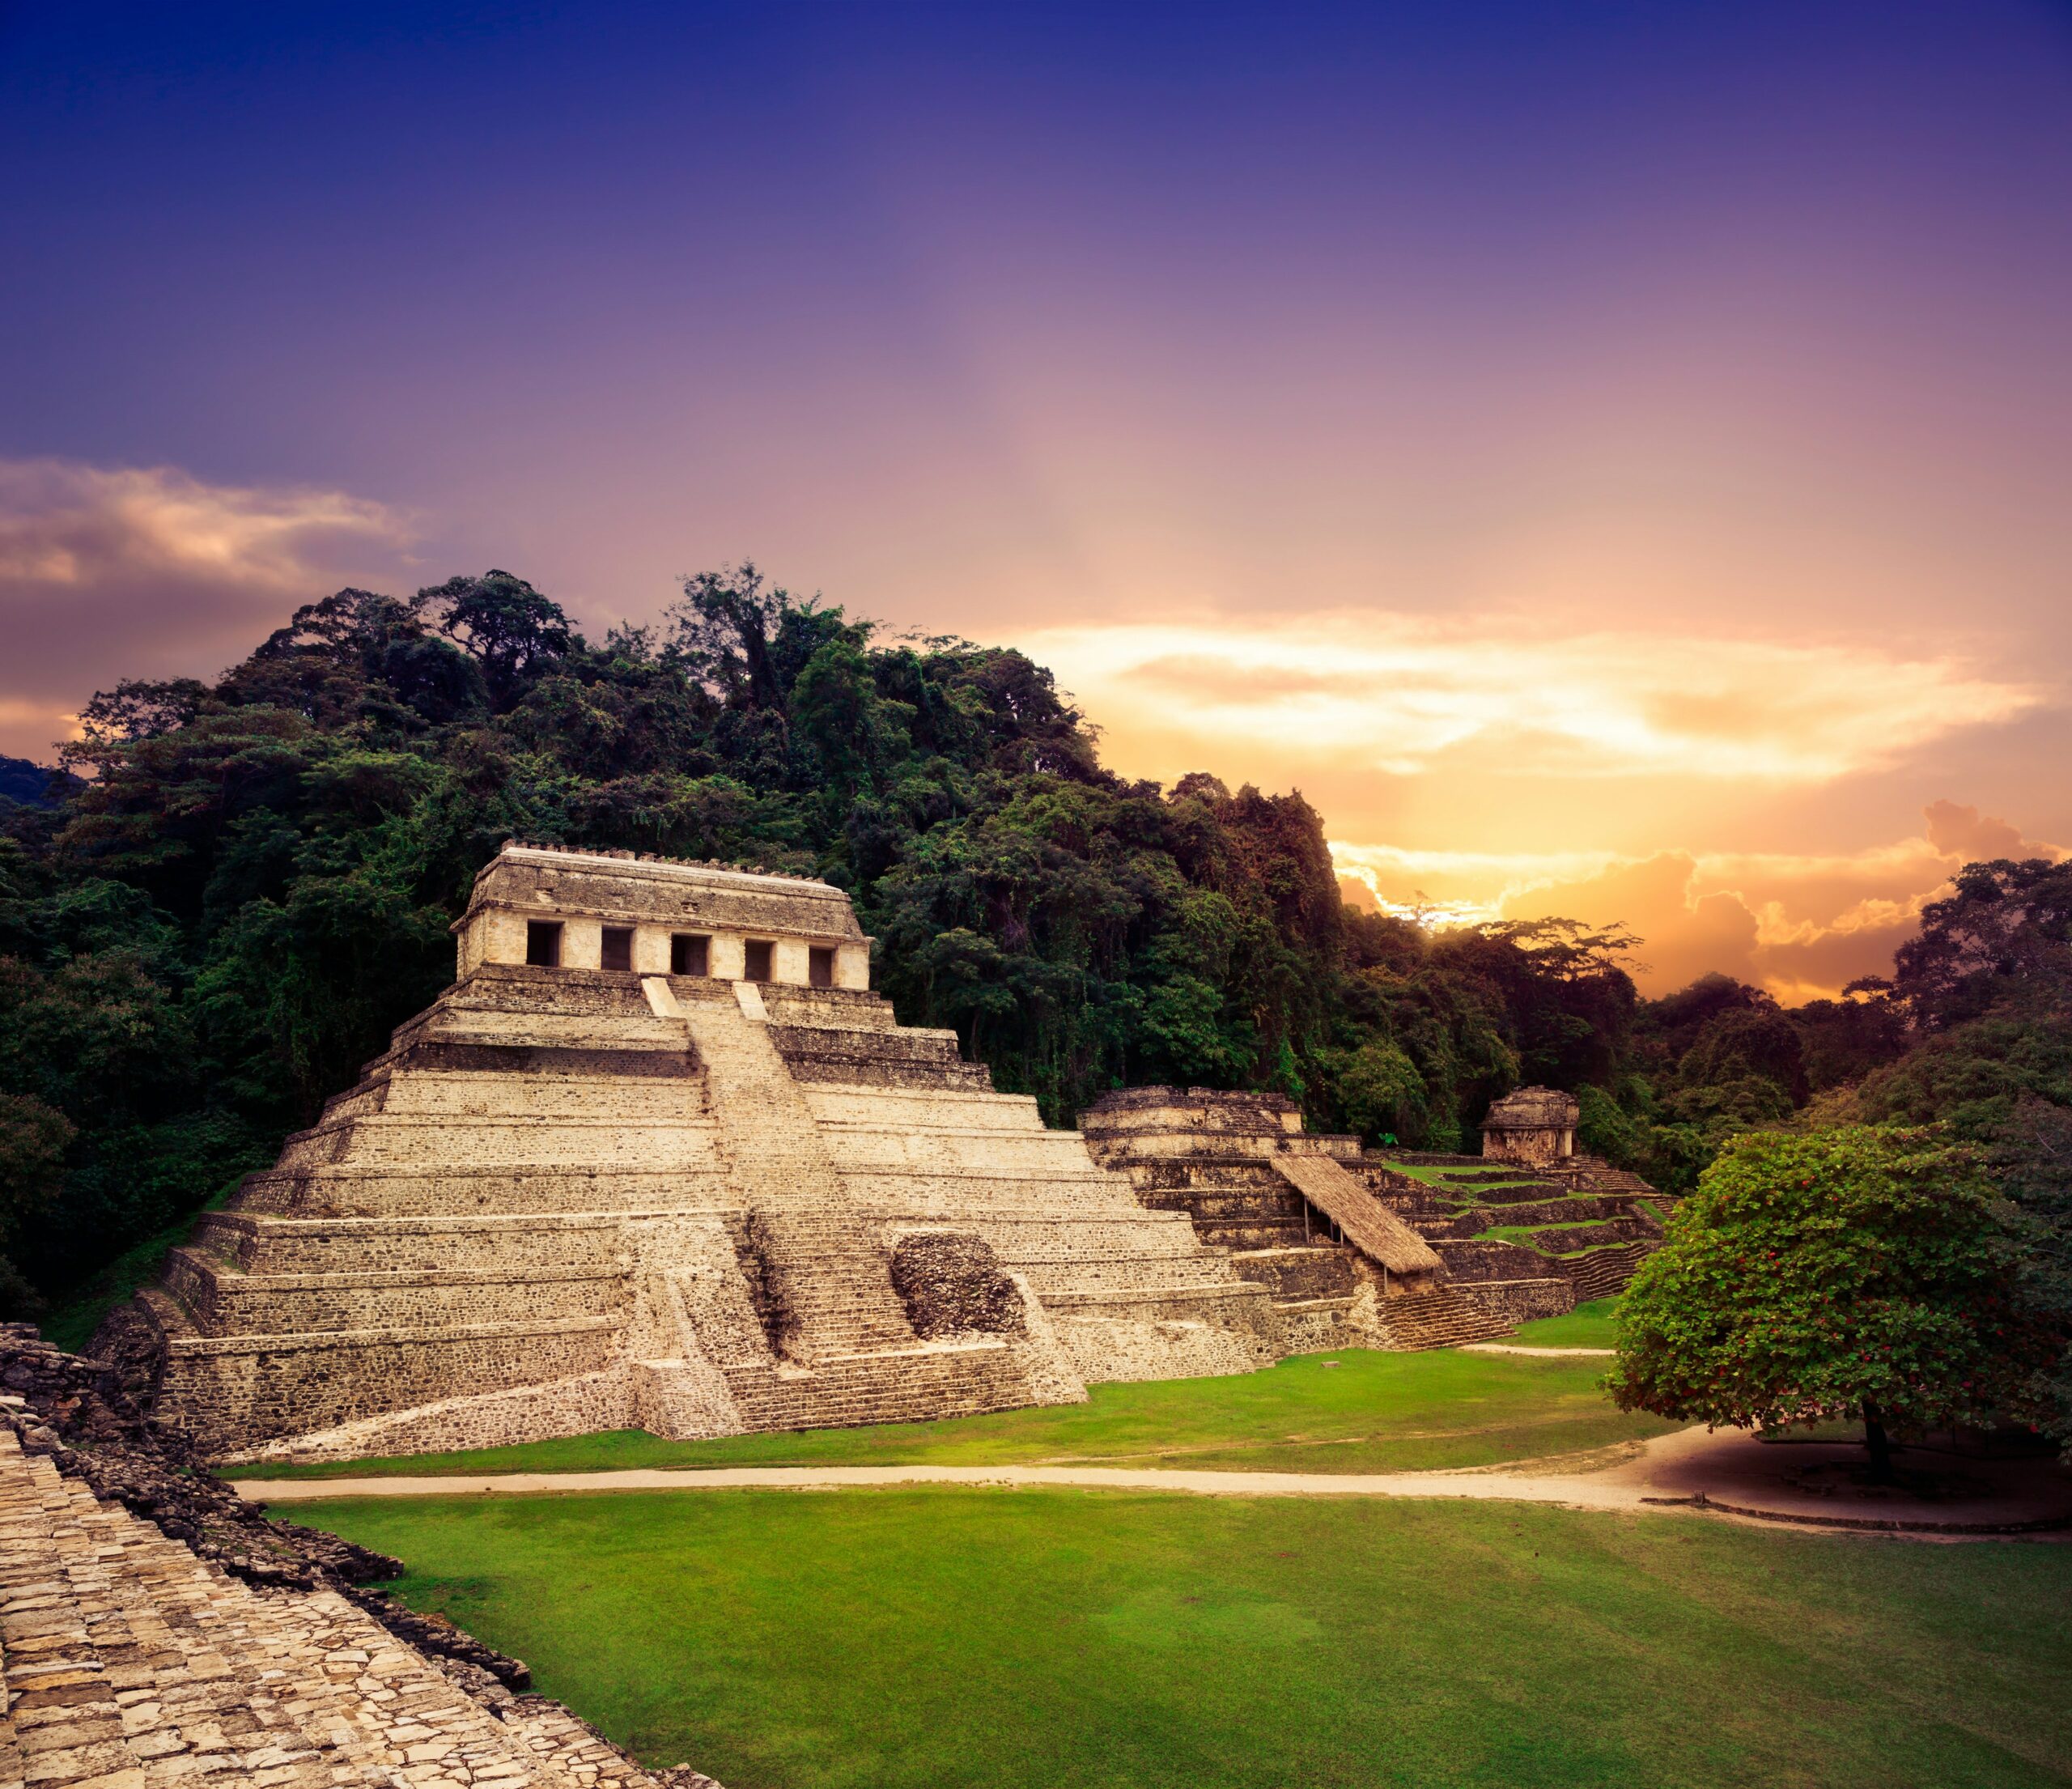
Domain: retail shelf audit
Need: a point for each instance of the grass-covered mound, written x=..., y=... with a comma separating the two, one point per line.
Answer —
x=948, y=1638
x=1355, y=1411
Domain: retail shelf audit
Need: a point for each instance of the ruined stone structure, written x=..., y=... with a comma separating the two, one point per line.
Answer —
x=659, y=1157
x=1377, y=1249
x=1535, y=1125
x=1253, y=1181
x=1524, y=1241
x=1296, y=1221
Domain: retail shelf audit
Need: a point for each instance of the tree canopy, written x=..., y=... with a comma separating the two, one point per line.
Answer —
x=1855, y=1272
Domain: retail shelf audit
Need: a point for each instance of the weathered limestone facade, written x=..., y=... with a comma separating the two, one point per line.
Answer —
x=159, y=1632
x=127, y=1662
x=659, y=1157
x=1535, y=1125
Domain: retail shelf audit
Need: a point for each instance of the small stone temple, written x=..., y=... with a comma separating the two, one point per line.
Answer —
x=660, y=1158
x=1535, y=1125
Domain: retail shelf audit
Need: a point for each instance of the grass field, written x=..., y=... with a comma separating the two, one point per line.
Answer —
x=1356, y=1411
x=946, y=1638
x=1587, y=1325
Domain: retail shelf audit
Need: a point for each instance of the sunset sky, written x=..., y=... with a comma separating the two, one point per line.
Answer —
x=1615, y=460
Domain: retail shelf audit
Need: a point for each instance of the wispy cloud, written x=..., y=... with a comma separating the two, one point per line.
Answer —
x=1405, y=695
x=147, y=571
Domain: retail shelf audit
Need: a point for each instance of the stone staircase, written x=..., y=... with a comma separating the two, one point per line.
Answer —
x=827, y=1279
x=1592, y=1174
x=846, y=1351
x=1444, y=1317
x=128, y=1662
x=1604, y=1271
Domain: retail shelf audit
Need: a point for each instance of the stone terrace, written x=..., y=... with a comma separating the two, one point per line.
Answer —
x=1478, y=1246
x=1293, y=1207
x=1524, y=1241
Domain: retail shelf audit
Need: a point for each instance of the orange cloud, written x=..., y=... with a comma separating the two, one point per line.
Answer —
x=1406, y=695
x=1801, y=925
x=1964, y=832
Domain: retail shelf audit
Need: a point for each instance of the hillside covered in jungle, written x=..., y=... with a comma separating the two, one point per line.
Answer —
x=218, y=907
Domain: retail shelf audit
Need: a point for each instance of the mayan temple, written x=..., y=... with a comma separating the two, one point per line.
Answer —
x=660, y=1158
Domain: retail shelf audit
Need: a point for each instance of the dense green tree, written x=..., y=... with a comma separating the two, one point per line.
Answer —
x=1842, y=1042
x=2001, y=939
x=1987, y=985
x=510, y=631
x=1857, y=1272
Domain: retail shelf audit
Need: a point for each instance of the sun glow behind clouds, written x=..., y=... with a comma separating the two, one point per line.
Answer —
x=1400, y=694
x=1801, y=923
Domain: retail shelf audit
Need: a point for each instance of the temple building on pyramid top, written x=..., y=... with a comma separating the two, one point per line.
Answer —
x=558, y=909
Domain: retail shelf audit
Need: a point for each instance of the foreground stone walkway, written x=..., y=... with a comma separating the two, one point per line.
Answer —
x=1727, y=1472
x=127, y=1662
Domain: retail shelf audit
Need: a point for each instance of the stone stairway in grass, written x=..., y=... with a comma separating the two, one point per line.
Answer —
x=1445, y=1317
x=1592, y=1174
x=127, y=1662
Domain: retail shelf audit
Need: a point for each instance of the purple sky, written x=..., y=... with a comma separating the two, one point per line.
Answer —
x=1609, y=455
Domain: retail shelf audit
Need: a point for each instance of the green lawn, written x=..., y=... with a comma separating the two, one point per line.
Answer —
x=1368, y=1412
x=942, y=1637
x=1587, y=1325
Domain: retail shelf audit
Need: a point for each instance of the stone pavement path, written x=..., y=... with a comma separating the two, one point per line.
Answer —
x=127, y=1662
x=1728, y=1472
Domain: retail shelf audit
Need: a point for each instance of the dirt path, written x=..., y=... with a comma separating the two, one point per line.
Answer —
x=1584, y=1493
x=1515, y=1348
x=1729, y=1472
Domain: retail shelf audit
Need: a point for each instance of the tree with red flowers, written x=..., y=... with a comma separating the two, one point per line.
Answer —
x=1860, y=1273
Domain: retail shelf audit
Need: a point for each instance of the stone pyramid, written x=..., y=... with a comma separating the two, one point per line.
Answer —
x=660, y=1158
